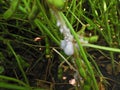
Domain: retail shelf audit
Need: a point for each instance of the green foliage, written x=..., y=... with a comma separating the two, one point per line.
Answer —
x=13, y=7
x=59, y=4
x=1, y=69
x=92, y=39
x=34, y=12
x=93, y=20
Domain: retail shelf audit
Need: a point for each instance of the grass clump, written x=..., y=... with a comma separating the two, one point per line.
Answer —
x=44, y=42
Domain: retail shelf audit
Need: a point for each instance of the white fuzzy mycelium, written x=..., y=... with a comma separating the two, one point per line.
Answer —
x=66, y=44
x=69, y=50
x=67, y=47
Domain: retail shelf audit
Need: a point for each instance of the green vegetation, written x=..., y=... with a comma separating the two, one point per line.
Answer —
x=43, y=42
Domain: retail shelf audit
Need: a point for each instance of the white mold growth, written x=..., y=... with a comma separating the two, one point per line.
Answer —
x=69, y=49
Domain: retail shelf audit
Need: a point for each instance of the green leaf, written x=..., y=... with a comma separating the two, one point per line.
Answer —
x=1, y=69
x=10, y=12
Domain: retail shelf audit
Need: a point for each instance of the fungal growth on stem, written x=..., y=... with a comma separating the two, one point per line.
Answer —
x=67, y=44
